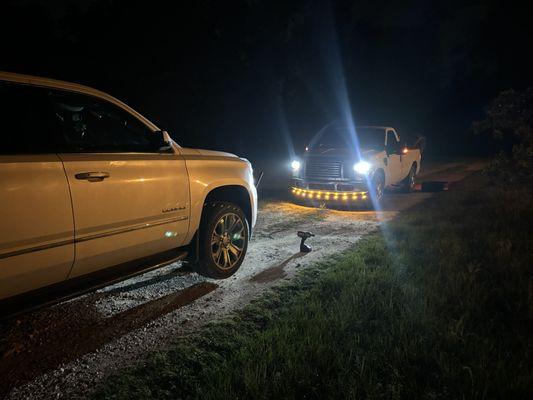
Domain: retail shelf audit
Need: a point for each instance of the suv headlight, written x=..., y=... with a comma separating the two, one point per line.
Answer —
x=362, y=167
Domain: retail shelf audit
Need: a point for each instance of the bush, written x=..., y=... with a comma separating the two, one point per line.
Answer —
x=509, y=118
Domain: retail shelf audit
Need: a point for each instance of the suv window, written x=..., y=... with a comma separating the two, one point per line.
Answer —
x=88, y=124
x=25, y=120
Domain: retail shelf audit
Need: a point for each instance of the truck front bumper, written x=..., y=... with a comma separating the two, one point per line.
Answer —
x=342, y=191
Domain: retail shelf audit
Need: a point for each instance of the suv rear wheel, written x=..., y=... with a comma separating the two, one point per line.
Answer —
x=223, y=240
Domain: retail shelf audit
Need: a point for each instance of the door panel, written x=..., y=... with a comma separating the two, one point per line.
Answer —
x=37, y=229
x=407, y=162
x=394, y=169
x=140, y=209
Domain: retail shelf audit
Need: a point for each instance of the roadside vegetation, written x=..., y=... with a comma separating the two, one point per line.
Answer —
x=438, y=304
x=509, y=120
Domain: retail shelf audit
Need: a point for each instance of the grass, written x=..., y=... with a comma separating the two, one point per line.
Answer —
x=436, y=306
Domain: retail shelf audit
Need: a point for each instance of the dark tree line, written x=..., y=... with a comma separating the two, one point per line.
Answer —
x=254, y=76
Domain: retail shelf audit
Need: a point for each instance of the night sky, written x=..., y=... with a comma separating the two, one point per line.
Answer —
x=257, y=77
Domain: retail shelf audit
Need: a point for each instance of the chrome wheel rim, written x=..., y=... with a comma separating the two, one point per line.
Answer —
x=228, y=240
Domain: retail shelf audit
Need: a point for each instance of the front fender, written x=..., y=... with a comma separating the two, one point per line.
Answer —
x=207, y=173
x=378, y=161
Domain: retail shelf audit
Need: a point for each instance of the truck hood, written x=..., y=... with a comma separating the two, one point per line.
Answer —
x=341, y=153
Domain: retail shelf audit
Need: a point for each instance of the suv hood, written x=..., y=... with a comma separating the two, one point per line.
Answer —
x=215, y=153
x=202, y=152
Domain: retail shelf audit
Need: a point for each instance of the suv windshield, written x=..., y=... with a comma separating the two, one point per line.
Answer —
x=339, y=137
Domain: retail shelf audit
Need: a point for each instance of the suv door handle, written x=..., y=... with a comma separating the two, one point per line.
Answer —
x=92, y=176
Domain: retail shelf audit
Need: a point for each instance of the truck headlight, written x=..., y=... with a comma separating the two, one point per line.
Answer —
x=362, y=167
x=295, y=165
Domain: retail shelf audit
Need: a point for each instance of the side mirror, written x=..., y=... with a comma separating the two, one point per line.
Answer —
x=165, y=142
x=166, y=137
x=391, y=151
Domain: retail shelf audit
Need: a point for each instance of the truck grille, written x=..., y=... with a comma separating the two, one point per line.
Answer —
x=323, y=169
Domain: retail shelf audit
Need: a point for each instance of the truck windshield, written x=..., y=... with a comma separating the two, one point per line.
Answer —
x=339, y=137
x=371, y=138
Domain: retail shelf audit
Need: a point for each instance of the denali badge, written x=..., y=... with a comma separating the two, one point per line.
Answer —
x=166, y=210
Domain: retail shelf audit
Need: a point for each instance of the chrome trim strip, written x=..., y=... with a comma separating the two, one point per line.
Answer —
x=140, y=222
x=36, y=248
x=129, y=229
x=43, y=240
x=90, y=237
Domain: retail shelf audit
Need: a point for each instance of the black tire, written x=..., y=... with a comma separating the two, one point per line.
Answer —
x=408, y=184
x=375, y=197
x=378, y=187
x=223, y=231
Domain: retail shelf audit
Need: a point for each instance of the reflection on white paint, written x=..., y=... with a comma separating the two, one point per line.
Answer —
x=204, y=184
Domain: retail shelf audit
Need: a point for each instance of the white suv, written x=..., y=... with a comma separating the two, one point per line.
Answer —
x=92, y=192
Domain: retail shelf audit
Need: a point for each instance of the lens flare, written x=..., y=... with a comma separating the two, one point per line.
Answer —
x=295, y=165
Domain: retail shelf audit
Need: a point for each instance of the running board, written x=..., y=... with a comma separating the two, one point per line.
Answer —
x=65, y=290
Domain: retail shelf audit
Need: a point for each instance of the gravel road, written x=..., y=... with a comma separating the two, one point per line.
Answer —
x=64, y=351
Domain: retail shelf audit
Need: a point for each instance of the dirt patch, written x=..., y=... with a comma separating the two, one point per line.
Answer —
x=275, y=272
x=434, y=186
x=46, y=345
x=273, y=257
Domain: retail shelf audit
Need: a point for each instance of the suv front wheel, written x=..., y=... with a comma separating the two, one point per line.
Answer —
x=223, y=240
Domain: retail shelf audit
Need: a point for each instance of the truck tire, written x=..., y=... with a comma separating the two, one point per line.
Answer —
x=378, y=187
x=223, y=240
x=408, y=184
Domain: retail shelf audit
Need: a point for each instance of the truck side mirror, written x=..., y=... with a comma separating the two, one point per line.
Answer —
x=390, y=150
x=394, y=150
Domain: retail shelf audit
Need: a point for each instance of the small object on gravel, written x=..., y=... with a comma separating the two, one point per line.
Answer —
x=434, y=186
x=304, y=235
